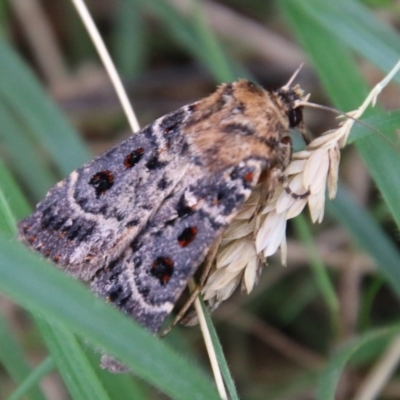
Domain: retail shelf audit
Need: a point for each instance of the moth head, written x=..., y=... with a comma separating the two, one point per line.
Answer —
x=289, y=99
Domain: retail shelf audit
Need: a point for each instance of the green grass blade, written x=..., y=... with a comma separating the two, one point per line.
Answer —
x=132, y=387
x=321, y=275
x=13, y=203
x=386, y=123
x=330, y=378
x=226, y=373
x=36, y=285
x=33, y=378
x=72, y=363
x=129, y=40
x=47, y=125
x=24, y=160
x=13, y=360
x=196, y=38
x=351, y=23
x=369, y=235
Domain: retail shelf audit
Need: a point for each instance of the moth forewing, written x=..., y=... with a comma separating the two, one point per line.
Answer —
x=140, y=219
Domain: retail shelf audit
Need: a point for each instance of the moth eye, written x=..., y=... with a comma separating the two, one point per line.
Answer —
x=102, y=181
x=295, y=117
x=187, y=236
x=162, y=269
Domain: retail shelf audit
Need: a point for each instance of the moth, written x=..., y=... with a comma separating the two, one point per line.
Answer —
x=139, y=220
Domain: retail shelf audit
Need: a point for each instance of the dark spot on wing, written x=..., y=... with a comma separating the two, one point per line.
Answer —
x=155, y=163
x=187, y=236
x=102, y=181
x=162, y=269
x=163, y=183
x=182, y=208
x=133, y=158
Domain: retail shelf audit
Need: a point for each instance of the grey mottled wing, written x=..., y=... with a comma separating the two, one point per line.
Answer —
x=89, y=218
x=146, y=280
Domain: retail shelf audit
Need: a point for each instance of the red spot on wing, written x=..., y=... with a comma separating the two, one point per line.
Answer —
x=248, y=177
x=187, y=236
x=133, y=158
x=162, y=269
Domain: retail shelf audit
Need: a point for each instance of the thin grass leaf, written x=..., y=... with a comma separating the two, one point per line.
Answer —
x=199, y=42
x=115, y=384
x=320, y=272
x=72, y=363
x=23, y=157
x=330, y=378
x=226, y=373
x=33, y=379
x=386, y=123
x=353, y=24
x=13, y=360
x=35, y=284
x=22, y=92
x=369, y=235
x=221, y=67
x=129, y=39
x=14, y=204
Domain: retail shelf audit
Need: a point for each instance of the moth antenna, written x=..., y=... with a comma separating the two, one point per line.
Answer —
x=293, y=77
x=343, y=114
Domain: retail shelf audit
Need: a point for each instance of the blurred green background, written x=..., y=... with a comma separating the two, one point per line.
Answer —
x=332, y=313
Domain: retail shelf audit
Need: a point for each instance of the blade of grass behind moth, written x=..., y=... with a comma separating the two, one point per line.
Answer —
x=132, y=387
x=72, y=363
x=196, y=41
x=222, y=68
x=229, y=382
x=17, y=206
x=353, y=24
x=13, y=360
x=33, y=378
x=330, y=378
x=46, y=123
x=386, y=123
x=344, y=84
x=35, y=284
x=369, y=235
x=320, y=272
x=129, y=39
x=23, y=157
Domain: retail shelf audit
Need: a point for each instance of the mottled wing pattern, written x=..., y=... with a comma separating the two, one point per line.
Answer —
x=90, y=217
x=148, y=278
x=140, y=219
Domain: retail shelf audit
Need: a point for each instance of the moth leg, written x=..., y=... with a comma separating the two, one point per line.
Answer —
x=297, y=196
x=199, y=287
x=303, y=132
